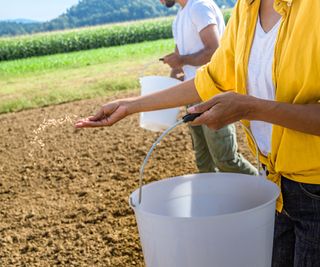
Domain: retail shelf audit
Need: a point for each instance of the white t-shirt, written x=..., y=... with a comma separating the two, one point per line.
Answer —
x=189, y=22
x=260, y=82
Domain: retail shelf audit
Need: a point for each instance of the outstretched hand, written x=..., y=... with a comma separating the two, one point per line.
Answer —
x=108, y=115
x=222, y=110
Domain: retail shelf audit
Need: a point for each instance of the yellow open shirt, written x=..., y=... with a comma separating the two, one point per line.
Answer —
x=296, y=76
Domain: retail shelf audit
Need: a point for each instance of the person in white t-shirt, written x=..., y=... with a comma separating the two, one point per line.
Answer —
x=197, y=29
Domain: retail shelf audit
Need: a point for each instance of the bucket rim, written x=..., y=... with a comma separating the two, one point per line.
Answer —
x=190, y=176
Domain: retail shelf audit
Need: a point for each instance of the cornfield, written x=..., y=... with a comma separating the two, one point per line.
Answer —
x=87, y=38
x=84, y=39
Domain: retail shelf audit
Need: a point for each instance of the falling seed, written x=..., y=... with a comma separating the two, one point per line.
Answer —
x=38, y=141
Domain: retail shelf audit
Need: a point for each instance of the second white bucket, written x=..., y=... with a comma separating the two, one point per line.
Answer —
x=207, y=220
x=161, y=119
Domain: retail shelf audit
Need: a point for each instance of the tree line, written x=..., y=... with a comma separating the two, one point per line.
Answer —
x=96, y=12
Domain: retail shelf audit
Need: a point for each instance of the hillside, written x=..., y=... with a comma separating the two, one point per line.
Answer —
x=95, y=12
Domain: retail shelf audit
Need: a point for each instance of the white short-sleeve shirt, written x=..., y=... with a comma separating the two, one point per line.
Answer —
x=189, y=22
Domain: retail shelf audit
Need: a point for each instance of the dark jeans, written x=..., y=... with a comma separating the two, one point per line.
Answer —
x=297, y=227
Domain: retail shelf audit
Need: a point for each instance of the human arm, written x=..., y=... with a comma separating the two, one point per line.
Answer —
x=110, y=113
x=177, y=72
x=215, y=78
x=230, y=107
x=210, y=38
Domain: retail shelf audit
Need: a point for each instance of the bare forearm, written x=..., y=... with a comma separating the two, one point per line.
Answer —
x=210, y=39
x=180, y=95
x=112, y=112
x=198, y=59
x=304, y=118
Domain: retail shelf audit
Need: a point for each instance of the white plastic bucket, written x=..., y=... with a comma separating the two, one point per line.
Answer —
x=161, y=119
x=207, y=220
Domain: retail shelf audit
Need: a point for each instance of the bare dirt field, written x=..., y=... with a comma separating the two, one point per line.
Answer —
x=64, y=192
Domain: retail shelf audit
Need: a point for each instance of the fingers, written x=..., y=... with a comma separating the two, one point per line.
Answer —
x=208, y=113
x=108, y=115
x=98, y=116
x=165, y=60
x=219, y=111
x=202, y=107
x=107, y=121
x=203, y=119
x=86, y=123
x=210, y=119
x=168, y=59
x=91, y=121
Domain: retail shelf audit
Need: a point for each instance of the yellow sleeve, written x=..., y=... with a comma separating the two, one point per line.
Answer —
x=219, y=74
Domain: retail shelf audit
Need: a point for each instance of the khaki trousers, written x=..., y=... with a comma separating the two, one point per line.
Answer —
x=217, y=150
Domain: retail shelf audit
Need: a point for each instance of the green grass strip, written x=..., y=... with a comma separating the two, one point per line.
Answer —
x=55, y=79
x=80, y=59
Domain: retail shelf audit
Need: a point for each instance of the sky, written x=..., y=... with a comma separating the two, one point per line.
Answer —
x=40, y=10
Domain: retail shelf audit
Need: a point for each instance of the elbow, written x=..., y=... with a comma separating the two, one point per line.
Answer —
x=208, y=55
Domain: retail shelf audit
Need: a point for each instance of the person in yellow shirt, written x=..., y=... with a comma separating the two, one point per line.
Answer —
x=197, y=29
x=266, y=73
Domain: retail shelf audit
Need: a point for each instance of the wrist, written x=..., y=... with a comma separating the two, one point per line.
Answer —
x=130, y=104
x=252, y=107
x=260, y=109
x=182, y=60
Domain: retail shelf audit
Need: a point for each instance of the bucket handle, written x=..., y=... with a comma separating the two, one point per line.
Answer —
x=187, y=118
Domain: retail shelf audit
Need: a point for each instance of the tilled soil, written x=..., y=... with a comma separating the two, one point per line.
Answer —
x=64, y=192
